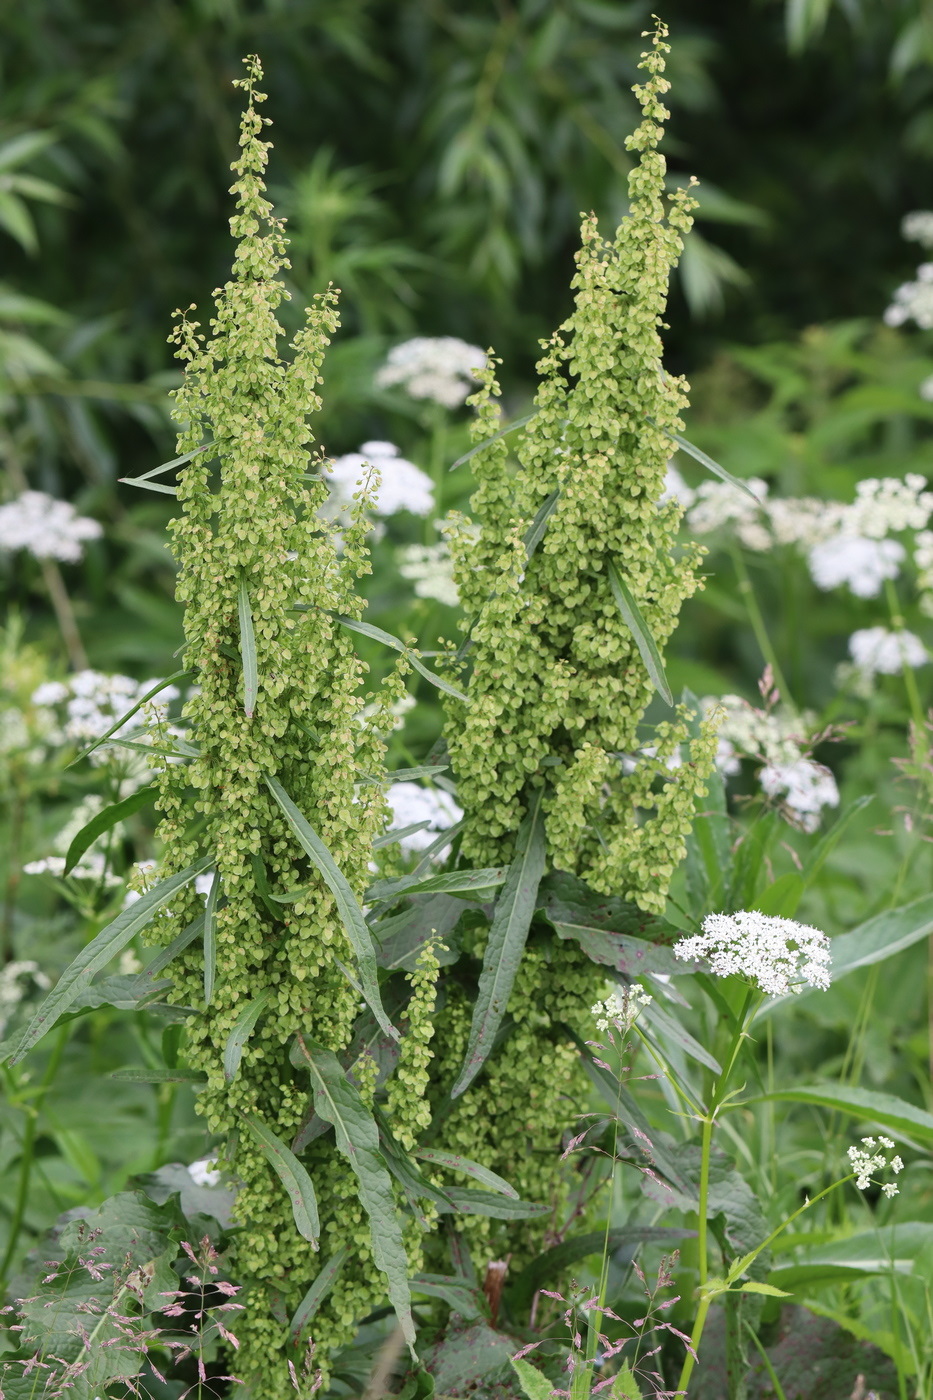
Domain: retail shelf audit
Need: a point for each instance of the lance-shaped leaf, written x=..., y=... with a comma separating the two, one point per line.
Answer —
x=886, y=1110
x=210, y=942
x=450, y=882
x=104, y=821
x=367, y=629
x=487, y=442
x=350, y=912
x=146, y=980
x=118, y=724
x=164, y=467
x=247, y=650
x=708, y=462
x=507, y=936
x=455, y=1163
x=467, y=1202
x=391, y=837
x=549, y=1266
x=159, y=1076
x=316, y=1294
x=535, y=532
x=292, y=1175
x=638, y=627
x=108, y=943
x=242, y=1030
x=464, y=1297
x=358, y=1139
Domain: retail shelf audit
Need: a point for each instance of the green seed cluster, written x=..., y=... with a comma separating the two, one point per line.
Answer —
x=557, y=672
x=250, y=517
x=407, y=1103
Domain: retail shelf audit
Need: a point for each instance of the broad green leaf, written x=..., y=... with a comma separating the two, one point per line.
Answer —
x=507, y=935
x=431, y=917
x=316, y=1294
x=884, y=1109
x=768, y=1288
x=159, y=1076
x=247, y=650
x=292, y=1175
x=242, y=1029
x=487, y=442
x=535, y=532
x=454, y=1162
x=367, y=629
x=210, y=941
x=450, y=882
x=624, y=1385
x=169, y=680
x=108, y=943
x=638, y=627
x=457, y=1293
x=549, y=1266
x=104, y=820
x=533, y=1384
x=24, y=146
x=633, y=957
x=700, y=456
x=350, y=911
x=339, y=1103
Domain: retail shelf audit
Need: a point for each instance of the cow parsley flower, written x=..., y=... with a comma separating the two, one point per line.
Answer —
x=918, y=227
x=880, y=652
x=868, y=1163
x=621, y=1008
x=441, y=368
x=779, y=955
x=401, y=485
x=48, y=528
x=411, y=803
x=913, y=301
x=886, y=505
x=203, y=1173
x=718, y=503
x=676, y=489
x=862, y=563
x=805, y=788
x=431, y=570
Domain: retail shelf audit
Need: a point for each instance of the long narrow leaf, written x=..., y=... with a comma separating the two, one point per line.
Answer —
x=175, y=462
x=450, y=882
x=554, y=1262
x=636, y=624
x=292, y=1175
x=535, y=532
x=150, y=973
x=487, y=442
x=336, y=1100
x=350, y=912
x=210, y=942
x=242, y=1029
x=169, y=680
x=104, y=820
x=454, y=1162
x=435, y=679
x=399, y=834
x=159, y=1076
x=410, y=775
x=247, y=650
x=706, y=461
x=511, y=920
x=377, y=634
x=886, y=1110
x=108, y=943
x=149, y=485
x=316, y=1294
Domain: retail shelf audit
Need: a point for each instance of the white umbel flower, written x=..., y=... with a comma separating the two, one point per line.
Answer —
x=202, y=1173
x=621, y=1008
x=719, y=503
x=431, y=569
x=886, y=505
x=676, y=489
x=862, y=563
x=441, y=368
x=918, y=227
x=779, y=955
x=48, y=528
x=913, y=301
x=805, y=788
x=401, y=486
x=868, y=1162
x=881, y=652
x=411, y=803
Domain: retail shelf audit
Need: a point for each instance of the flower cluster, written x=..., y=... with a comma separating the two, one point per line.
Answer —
x=868, y=1163
x=440, y=368
x=93, y=701
x=621, y=1008
x=778, y=955
x=14, y=980
x=430, y=568
x=48, y=528
x=411, y=804
x=397, y=484
x=877, y=651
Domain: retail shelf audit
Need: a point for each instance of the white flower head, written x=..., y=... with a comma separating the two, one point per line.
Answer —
x=880, y=652
x=48, y=528
x=412, y=803
x=870, y=1160
x=441, y=368
x=779, y=955
x=400, y=486
x=720, y=503
x=805, y=788
x=202, y=1173
x=913, y=301
x=862, y=563
x=430, y=568
x=676, y=489
x=886, y=505
x=621, y=1008
x=918, y=227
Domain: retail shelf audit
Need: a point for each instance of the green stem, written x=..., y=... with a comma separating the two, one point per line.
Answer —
x=690, y=1360
x=758, y=625
x=25, y=1166
x=707, y=1140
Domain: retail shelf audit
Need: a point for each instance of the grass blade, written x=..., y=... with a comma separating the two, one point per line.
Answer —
x=169, y=680
x=103, y=822
x=247, y=650
x=292, y=1175
x=700, y=456
x=210, y=945
x=454, y=1162
x=487, y=442
x=243, y=1026
x=108, y=943
x=639, y=630
x=316, y=1294
x=350, y=912
x=511, y=920
x=535, y=532
x=336, y=1100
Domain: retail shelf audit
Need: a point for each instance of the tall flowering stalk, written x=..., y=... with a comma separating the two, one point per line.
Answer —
x=261, y=578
